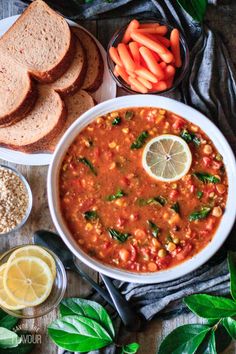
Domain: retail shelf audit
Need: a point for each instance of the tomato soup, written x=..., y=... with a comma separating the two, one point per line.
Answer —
x=123, y=217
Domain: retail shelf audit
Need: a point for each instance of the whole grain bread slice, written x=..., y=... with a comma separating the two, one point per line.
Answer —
x=17, y=91
x=41, y=125
x=73, y=78
x=41, y=41
x=95, y=66
x=76, y=105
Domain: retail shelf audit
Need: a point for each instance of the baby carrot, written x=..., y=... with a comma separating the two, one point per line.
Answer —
x=131, y=73
x=134, y=50
x=156, y=46
x=145, y=82
x=169, y=82
x=146, y=74
x=151, y=62
x=165, y=41
x=170, y=71
x=134, y=24
x=141, y=88
x=125, y=56
x=161, y=30
x=122, y=73
x=163, y=65
x=159, y=86
x=148, y=25
x=175, y=47
x=115, y=72
x=115, y=56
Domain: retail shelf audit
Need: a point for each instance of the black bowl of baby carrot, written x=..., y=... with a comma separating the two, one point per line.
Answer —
x=148, y=56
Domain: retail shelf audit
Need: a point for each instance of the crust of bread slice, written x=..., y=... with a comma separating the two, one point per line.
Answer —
x=95, y=66
x=76, y=105
x=40, y=126
x=18, y=92
x=73, y=78
x=41, y=41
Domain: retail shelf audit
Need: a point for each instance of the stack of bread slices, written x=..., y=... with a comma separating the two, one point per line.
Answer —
x=47, y=72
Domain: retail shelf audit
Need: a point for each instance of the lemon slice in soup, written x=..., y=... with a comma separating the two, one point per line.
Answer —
x=167, y=158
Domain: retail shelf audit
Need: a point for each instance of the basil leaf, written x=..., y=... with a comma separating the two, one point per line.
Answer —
x=89, y=309
x=155, y=229
x=211, y=344
x=89, y=164
x=90, y=215
x=190, y=137
x=232, y=269
x=207, y=306
x=159, y=200
x=116, y=121
x=119, y=194
x=7, y=321
x=129, y=115
x=131, y=348
x=222, y=339
x=140, y=141
x=117, y=235
x=199, y=215
x=8, y=339
x=206, y=177
x=176, y=207
x=78, y=333
x=195, y=8
x=199, y=194
x=184, y=339
x=230, y=325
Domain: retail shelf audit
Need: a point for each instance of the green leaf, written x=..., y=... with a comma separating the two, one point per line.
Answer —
x=230, y=325
x=78, y=333
x=7, y=321
x=25, y=347
x=117, y=195
x=117, y=235
x=232, y=270
x=190, y=137
x=159, y=200
x=129, y=115
x=206, y=177
x=8, y=339
x=211, y=344
x=89, y=309
x=176, y=207
x=195, y=8
x=200, y=214
x=140, y=141
x=207, y=306
x=89, y=164
x=222, y=338
x=131, y=348
x=155, y=229
x=116, y=121
x=199, y=194
x=90, y=215
x=184, y=339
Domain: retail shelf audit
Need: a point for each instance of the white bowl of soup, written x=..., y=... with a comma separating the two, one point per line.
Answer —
x=120, y=220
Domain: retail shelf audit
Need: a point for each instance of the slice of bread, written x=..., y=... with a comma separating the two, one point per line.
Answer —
x=73, y=78
x=41, y=41
x=95, y=66
x=76, y=105
x=17, y=91
x=41, y=125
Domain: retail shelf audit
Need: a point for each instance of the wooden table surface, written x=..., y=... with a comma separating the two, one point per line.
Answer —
x=149, y=340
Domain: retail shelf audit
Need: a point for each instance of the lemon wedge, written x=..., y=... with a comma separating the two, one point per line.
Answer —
x=35, y=251
x=5, y=301
x=167, y=158
x=27, y=280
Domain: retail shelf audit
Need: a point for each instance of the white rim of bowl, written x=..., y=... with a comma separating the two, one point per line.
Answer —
x=193, y=116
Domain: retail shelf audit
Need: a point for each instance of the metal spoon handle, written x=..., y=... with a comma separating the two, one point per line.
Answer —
x=128, y=316
x=105, y=295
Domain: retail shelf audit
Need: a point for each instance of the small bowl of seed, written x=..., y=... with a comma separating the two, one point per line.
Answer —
x=15, y=200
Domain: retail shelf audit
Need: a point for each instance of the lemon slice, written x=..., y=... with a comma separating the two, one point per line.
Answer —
x=28, y=280
x=35, y=251
x=167, y=158
x=5, y=301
